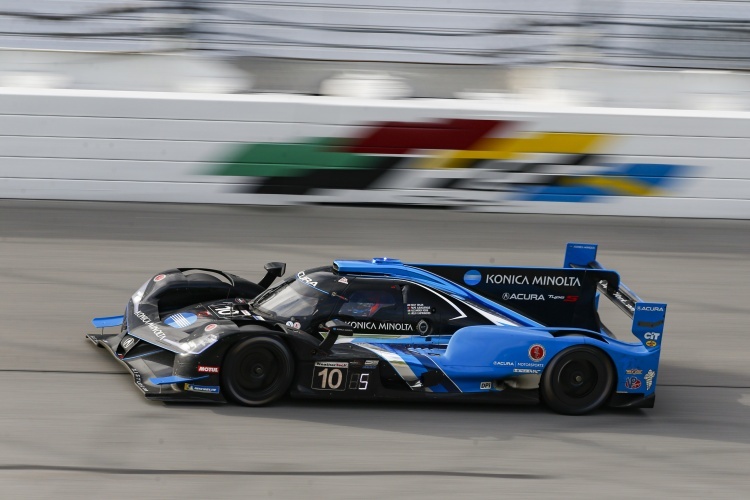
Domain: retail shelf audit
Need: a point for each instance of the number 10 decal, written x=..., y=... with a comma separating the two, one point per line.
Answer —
x=330, y=379
x=330, y=375
x=334, y=376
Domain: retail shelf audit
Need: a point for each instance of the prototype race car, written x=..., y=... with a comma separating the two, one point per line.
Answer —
x=386, y=330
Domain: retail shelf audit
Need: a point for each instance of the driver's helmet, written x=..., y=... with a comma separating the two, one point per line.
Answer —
x=366, y=303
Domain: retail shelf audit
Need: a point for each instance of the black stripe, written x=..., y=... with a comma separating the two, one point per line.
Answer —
x=324, y=178
x=426, y=360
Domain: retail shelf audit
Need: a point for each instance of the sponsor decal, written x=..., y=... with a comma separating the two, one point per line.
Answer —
x=520, y=279
x=228, y=309
x=523, y=296
x=210, y=327
x=331, y=364
x=208, y=369
x=423, y=327
x=159, y=277
x=634, y=371
x=650, y=308
x=151, y=326
x=306, y=279
x=624, y=301
x=632, y=383
x=240, y=300
x=381, y=326
x=651, y=338
x=344, y=281
x=536, y=353
x=472, y=277
x=181, y=320
x=649, y=378
x=127, y=342
x=650, y=343
x=521, y=364
x=485, y=385
x=370, y=364
x=564, y=298
x=205, y=340
x=138, y=380
x=211, y=389
x=526, y=370
x=418, y=309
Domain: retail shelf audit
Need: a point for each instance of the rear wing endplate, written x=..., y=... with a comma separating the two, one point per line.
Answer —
x=648, y=317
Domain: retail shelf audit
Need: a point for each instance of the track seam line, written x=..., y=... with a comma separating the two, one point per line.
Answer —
x=176, y=472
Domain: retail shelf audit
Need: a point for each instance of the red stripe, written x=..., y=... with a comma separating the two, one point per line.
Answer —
x=397, y=138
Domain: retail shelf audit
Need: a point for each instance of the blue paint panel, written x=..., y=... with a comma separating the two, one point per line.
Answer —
x=174, y=379
x=648, y=323
x=107, y=321
x=580, y=254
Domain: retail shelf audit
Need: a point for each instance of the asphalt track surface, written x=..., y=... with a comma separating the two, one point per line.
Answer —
x=75, y=426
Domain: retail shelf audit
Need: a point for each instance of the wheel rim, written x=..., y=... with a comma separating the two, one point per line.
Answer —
x=578, y=379
x=257, y=370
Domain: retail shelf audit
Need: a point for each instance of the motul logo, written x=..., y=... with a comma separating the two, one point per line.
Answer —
x=208, y=369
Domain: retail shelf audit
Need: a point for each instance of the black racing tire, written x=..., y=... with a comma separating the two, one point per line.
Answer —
x=257, y=371
x=578, y=380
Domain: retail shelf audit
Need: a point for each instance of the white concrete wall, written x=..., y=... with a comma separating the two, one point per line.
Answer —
x=169, y=147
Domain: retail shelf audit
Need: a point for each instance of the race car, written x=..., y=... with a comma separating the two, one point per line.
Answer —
x=381, y=329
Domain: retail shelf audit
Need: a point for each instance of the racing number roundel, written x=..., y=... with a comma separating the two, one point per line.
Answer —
x=537, y=353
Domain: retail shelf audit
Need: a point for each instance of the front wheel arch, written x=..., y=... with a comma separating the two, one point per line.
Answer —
x=257, y=370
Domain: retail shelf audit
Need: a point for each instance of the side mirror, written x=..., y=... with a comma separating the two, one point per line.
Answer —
x=273, y=270
x=335, y=327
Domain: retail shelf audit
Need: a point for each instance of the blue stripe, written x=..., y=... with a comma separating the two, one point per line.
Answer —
x=107, y=322
x=174, y=379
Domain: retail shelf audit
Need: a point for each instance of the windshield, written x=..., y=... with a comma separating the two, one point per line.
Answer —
x=305, y=296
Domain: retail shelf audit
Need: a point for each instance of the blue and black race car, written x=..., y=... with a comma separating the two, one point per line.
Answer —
x=387, y=330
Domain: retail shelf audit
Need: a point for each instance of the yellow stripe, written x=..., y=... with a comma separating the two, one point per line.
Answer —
x=510, y=148
x=627, y=187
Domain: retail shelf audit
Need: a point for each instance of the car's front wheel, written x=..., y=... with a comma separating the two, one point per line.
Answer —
x=578, y=380
x=257, y=371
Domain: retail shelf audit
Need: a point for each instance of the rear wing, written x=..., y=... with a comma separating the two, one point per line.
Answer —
x=648, y=317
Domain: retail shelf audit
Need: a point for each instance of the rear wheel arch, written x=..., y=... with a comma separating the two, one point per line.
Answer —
x=578, y=380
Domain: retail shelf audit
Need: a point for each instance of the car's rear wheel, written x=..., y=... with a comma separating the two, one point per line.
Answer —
x=257, y=371
x=578, y=380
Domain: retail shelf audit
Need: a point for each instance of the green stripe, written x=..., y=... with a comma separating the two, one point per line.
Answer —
x=291, y=159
